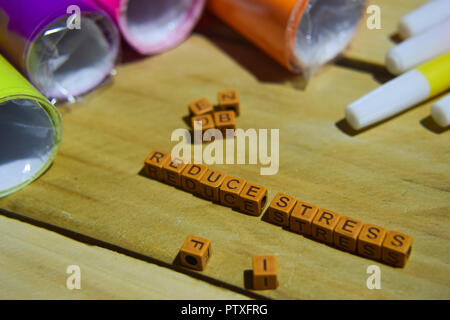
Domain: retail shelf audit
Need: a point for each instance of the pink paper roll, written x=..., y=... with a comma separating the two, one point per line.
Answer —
x=152, y=27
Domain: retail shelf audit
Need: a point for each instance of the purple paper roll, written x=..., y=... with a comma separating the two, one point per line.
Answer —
x=65, y=47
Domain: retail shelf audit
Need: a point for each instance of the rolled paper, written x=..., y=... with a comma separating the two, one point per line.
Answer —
x=429, y=15
x=65, y=47
x=419, y=49
x=152, y=27
x=401, y=93
x=440, y=111
x=302, y=35
x=30, y=131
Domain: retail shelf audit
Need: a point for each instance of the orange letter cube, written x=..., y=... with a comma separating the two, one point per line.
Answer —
x=203, y=122
x=195, y=252
x=190, y=178
x=302, y=216
x=346, y=233
x=154, y=163
x=370, y=241
x=225, y=120
x=253, y=199
x=210, y=184
x=230, y=190
x=172, y=170
x=396, y=248
x=228, y=100
x=265, y=273
x=280, y=209
x=323, y=225
x=200, y=107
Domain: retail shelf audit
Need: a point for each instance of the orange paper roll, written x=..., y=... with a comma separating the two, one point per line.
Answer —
x=302, y=35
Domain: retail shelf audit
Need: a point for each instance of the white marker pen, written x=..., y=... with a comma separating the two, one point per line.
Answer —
x=401, y=93
x=424, y=17
x=440, y=111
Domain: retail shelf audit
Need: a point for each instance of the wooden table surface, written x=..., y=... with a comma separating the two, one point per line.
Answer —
x=395, y=174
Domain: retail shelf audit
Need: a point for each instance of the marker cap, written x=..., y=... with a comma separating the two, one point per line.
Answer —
x=424, y=17
x=440, y=111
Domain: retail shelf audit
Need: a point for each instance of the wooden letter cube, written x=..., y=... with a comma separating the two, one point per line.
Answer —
x=202, y=123
x=210, y=184
x=302, y=216
x=228, y=100
x=396, y=248
x=323, y=225
x=265, y=273
x=172, y=170
x=346, y=233
x=154, y=162
x=370, y=241
x=280, y=209
x=253, y=199
x=230, y=190
x=225, y=120
x=200, y=107
x=195, y=252
x=190, y=178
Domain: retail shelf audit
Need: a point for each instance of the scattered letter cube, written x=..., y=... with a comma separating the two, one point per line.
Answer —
x=346, y=233
x=200, y=107
x=154, y=163
x=323, y=225
x=302, y=216
x=203, y=122
x=280, y=209
x=396, y=248
x=265, y=273
x=225, y=120
x=370, y=241
x=228, y=100
x=253, y=199
x=195, y=252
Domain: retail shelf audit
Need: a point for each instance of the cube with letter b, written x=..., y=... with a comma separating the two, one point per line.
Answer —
x=172, y=170
x=253, y=199
x=225, y=120
x=195, y=252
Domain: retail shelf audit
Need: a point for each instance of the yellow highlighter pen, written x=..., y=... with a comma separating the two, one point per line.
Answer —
x=401, y=93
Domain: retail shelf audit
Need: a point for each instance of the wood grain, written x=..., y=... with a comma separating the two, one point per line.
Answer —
x=395, y=175
x=34, y=263
x=371, y=46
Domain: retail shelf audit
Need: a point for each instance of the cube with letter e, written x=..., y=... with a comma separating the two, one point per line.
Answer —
x=253, y=198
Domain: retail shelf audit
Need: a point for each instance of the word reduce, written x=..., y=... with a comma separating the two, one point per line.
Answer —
x=207, y=183
x=368, y=240
x=223, y=116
